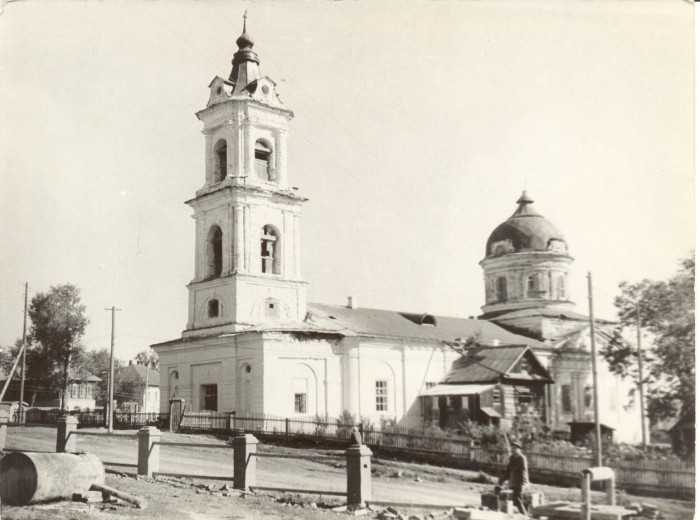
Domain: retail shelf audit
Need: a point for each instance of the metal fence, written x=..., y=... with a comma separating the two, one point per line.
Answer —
x=122, y=420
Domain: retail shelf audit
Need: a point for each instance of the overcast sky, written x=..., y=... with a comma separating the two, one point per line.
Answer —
x=417, y=125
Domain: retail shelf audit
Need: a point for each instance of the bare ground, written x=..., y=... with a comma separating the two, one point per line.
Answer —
x=412, y=488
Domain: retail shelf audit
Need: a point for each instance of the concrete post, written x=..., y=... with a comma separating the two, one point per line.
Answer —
x=586, y=496
x=245, y=446
x=610, y=490
x=359, y=488
x=4, y=419
x=149, y=451
x=66, y=434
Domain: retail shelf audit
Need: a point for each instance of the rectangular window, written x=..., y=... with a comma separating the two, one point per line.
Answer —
x=208, y=397
x=382, y=395
x=299, y=403
x=566, y=398
x=429, y=385
x=496, y=396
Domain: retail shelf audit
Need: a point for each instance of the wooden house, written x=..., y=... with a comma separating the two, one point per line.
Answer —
x=488, y=385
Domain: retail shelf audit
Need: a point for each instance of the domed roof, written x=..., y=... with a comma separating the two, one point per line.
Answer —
x=525, y=230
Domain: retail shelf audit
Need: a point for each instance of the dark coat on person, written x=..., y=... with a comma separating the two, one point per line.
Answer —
x=516, y=472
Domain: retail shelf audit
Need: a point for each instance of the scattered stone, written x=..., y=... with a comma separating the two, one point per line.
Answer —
x=339, y=509
x=392, y=510
x=414, y=517
x=417, y=479
x=78, y=497
x=313, y=505
x=210, y=487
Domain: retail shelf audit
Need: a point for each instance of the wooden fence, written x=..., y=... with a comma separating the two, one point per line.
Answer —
x=555, y=466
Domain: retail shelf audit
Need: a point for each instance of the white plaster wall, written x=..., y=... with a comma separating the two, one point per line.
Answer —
x=407, y=365
x=287, y=359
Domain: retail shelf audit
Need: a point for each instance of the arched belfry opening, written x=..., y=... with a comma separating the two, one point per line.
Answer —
x=264, y=167
x=270, y=249
x=215, y=252
x=221, y=160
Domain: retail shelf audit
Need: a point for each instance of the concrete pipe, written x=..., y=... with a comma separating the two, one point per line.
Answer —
x=29, y=478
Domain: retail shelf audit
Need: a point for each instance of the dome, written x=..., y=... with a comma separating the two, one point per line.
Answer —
x=525, y=230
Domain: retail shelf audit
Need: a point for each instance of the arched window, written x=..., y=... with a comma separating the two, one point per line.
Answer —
x=172, y=384
x=561, y=288
x=214, y=252
x=501, y=289
x=270, y=250
x=263, y=160
x=221, y=160
x=533, y=286
x=213, y=308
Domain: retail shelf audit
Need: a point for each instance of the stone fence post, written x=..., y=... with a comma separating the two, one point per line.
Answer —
x=245, y=446
x=149, y=451
x=66, y=434
x=359, y=488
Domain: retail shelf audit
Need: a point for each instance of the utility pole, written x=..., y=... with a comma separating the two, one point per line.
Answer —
x=599, y=445
x=641, y=380
x=110, y=411
x=24, y=356
x=145, y=398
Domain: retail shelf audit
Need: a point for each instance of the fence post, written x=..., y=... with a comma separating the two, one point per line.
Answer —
x=359, y=483
x=286, y=427
x=245, y=445
x=66, y=434
x=149, y=451
x=4, y=418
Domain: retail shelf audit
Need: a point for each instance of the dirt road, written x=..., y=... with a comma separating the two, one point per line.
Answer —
x=411, y=486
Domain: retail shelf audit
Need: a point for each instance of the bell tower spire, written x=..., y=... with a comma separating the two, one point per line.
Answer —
x=245, y=61
x=247, y=237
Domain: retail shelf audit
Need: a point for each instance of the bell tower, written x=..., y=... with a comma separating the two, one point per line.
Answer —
x=247, y=257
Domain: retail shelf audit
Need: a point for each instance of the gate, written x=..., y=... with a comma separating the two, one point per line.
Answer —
x=177, y=407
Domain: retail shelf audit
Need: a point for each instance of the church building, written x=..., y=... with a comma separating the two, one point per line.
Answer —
x=254, y=345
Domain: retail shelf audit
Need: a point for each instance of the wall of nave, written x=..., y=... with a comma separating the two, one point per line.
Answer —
x=284, y=375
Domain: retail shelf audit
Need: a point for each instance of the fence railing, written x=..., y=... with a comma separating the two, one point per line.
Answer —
x=122, y=420
x=554, y=465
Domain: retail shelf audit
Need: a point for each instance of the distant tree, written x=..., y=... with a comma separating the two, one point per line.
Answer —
x=667, y=312
x=148, y=358
x=58, y=323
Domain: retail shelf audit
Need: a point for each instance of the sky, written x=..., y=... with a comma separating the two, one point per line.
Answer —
x=417, y=126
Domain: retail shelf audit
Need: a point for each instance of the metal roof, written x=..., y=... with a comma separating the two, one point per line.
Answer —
x=455, y=390
x=394, y=324
x=493, y=364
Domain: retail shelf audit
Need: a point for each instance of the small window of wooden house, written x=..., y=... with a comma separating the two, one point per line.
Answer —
x=263, y=160
x=496, y=396
x=566, y=398
x=221, y=160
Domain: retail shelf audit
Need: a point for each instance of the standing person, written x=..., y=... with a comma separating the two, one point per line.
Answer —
x=517, y=476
